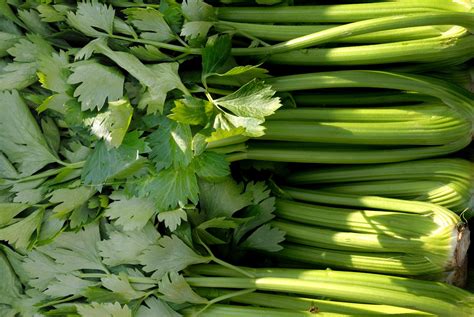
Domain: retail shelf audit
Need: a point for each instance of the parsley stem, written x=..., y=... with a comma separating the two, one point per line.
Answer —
x=224, y=297
x=132, y=279
x=59, y=301
x=232, y=267
x=171, y=47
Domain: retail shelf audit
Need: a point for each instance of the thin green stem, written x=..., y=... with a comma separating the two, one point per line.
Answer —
x=224, y=297
x=172, y=47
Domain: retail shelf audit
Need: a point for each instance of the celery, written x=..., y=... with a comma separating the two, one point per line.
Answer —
x=274, y=32
x=415, y=51
x=338, y=291
x=319, y=306
x=336, y=13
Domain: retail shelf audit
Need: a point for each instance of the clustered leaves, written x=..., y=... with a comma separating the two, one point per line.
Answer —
x=108, y=190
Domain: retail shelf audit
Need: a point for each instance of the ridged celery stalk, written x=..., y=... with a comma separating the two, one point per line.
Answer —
x=319, y=306
x=338, y=12
x=387, y=235
x=447, y=182
x=414, y=51
x=220, y=310
x=342, y=286
x=275, y=32
x=429, y=130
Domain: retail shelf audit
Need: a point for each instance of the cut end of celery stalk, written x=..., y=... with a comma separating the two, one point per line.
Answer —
x=458, y=274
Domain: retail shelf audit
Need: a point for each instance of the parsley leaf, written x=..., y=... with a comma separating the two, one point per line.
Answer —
x=170, y=187
x=151, y=22
x=156, y=307
x=130, y=213
x=198, y=10
x=70, y=199
x=169, y=254
x=103, y=310
x=76, y=250
x=121, y=286
x=254, y=99
x=215, y=55
x=9, y=211
x=97, y=83
x=266, y=238
x=112, y=123
x=172, y=218
x=175, y=289
x=124, y=247
x=90, y=16
x=211, y=166
x=67, y=285
x=192, y=111
x=223, y=199
x=104, y=164
x=171, y=144
x=20, y=137
x=20, y=233
x=159, y=78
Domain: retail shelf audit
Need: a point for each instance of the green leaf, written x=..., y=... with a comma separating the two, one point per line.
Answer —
x=17, y=76
x=151, y=22
x=121, y=286
x=260, y=212
x=76, y=250
x=215, y=54
x=159, y=78
x=172, y=218
x=154, y=98
x=20, y=233
x=103, y=310
x=20, y=137
x=170, y=254
x=211, y=166
x=51, y=133
x=104, y=164
x=265, y=238
x=31, y=48
x=9, y=210
x=10, y=286
x=156, y=307
x=55, y=102
x=149, y=53
x=31, y=19
x=196, y=30
x=70, y=199
x=130, y=213
x=7, y=41
x=41, y=269
x=97, y=83
x=198, y=10
x=67, y=285
x=254, y=99
x=175, y=289
x=92, y=15
x=192, y=111
x=249, y=71
x=124, y=247
x=171, y=145
x=112, y=123
x=171, y=188
x=172, y=13
x=223, y=199
x=53, y=71
x=50, y=13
